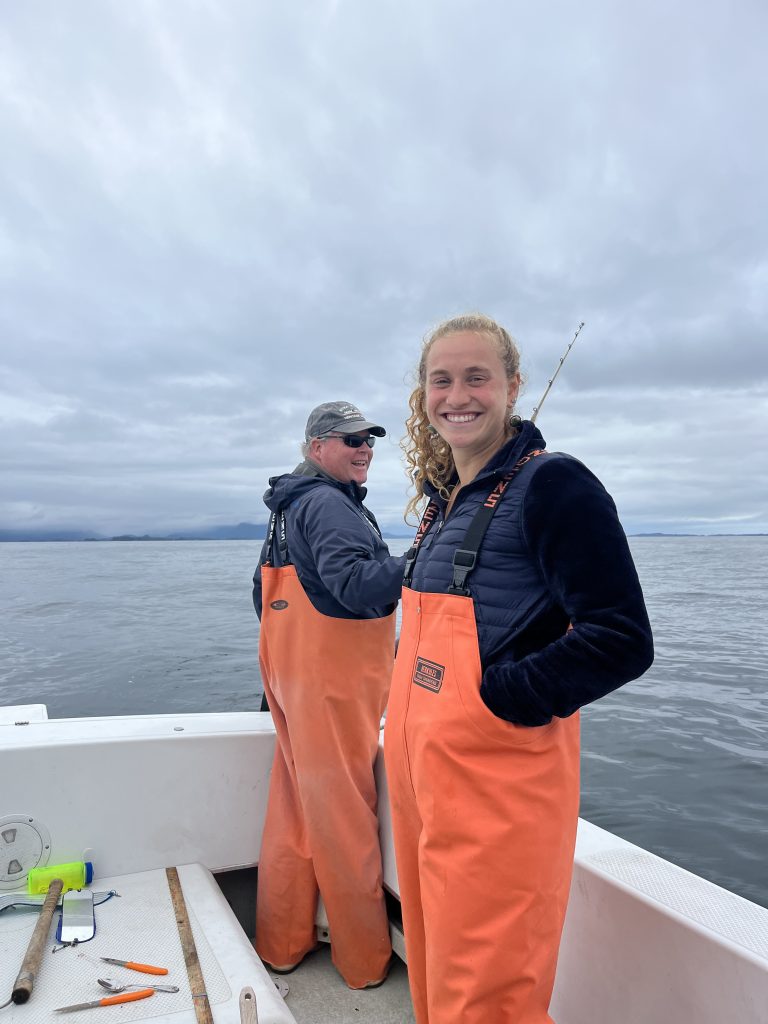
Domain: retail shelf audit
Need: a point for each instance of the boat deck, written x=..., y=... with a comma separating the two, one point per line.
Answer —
x=140, y=922
x=317, y=994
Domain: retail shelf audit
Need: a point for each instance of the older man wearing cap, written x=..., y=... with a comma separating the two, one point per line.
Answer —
x=325, y=591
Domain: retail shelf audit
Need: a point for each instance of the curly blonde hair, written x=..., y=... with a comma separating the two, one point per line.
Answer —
x=428, y=457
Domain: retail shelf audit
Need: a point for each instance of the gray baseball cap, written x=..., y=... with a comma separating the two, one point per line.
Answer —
x=339, y=418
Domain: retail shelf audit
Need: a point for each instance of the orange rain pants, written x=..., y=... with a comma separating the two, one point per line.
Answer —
x=327, y=681
x=484, y=815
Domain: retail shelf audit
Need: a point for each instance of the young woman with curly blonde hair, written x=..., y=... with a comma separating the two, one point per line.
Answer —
x=520, y=604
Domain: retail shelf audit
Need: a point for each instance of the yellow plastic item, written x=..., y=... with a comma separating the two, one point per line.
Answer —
x=74, y=876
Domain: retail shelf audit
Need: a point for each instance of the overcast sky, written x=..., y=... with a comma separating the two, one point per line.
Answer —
x=214, y=215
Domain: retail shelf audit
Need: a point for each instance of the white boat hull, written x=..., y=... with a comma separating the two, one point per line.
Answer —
x=645, y=942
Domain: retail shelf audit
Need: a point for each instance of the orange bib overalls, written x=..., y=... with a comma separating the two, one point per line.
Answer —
x=326, y=680
x=484, y=815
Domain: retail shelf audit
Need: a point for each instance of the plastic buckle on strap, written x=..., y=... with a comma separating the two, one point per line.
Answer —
x=409, y=563
x=463, y=564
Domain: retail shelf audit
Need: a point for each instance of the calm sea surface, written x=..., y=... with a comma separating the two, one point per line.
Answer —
x=676, y=762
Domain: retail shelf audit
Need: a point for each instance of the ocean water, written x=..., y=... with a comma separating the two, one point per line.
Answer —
x=676, y=762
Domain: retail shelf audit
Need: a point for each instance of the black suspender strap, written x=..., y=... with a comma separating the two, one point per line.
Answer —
x=282, y=543
x=465, y=557
x=429, y=517
x=270, y=533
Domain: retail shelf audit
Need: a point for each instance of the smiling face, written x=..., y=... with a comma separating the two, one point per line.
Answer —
x=468, y=396
x=338, y=460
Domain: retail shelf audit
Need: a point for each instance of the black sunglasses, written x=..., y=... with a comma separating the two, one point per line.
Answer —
x=352, y=440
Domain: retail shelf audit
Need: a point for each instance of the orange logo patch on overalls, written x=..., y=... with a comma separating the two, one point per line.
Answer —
x=428, y=674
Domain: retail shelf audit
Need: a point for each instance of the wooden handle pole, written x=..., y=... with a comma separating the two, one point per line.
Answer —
x=194, y=971
x=22, y=987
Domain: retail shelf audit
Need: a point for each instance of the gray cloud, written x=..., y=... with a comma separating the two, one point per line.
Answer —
x=212, y=219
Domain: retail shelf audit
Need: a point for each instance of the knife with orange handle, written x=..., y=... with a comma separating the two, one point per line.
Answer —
x=143, y=968
x=124, y=997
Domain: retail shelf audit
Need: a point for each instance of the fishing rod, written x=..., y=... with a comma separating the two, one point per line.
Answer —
x=563, y=357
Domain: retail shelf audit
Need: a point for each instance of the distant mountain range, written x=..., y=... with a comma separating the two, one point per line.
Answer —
x=240, y=531
x=697, y=534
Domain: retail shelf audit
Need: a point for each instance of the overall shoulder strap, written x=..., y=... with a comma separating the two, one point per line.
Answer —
x=429, y=517
x=277, y=535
